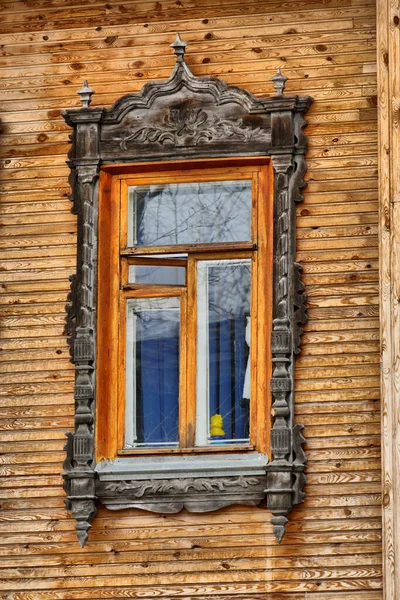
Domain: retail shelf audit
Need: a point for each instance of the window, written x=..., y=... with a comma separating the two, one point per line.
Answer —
x=193, y=262
x=181, y=277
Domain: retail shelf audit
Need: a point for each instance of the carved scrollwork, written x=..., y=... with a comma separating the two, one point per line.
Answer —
x=179, y=486
x=300, y=461
x=300, y=307
x=188, y=117
x=71, y=310
x=184, y=126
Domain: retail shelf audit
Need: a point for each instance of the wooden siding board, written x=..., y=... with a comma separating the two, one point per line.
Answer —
x=332, y=549
x=388, y=129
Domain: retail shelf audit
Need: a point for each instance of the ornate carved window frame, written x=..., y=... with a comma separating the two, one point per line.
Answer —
x=187, y=117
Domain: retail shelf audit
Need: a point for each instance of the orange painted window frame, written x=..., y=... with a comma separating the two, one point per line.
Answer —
x=113, y=258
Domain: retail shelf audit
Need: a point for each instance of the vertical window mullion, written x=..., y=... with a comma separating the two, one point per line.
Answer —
x=202, y=371
x=183, y=372
x=191, y=339
x=128, y=423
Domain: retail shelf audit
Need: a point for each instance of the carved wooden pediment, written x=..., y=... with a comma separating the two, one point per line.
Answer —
x=188, y=117
x=196, y=115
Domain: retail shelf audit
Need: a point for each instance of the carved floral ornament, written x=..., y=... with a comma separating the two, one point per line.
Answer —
x=191, y=126
x=188, y=117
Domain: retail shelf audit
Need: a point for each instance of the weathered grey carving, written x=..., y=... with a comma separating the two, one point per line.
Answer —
x=178, y=486
x=194, y=494
x=300, y=304
x=279, y=82
x=71, y=309
x=191, y=126
x=181, y=118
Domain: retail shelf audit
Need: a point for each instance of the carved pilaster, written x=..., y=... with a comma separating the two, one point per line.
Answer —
x=79, y=475
x=285, y=477
x=279, y=489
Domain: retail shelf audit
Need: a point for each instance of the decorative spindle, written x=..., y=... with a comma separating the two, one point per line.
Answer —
x=179, y=48
x=85, y=94
x=279, y=82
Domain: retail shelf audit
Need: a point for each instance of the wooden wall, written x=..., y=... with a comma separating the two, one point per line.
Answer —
x=332, y=549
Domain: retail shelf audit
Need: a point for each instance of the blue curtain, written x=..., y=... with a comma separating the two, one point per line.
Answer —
x=157, y=377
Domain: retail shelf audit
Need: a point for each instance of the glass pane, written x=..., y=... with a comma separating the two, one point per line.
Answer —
x=189, y=213
x=152, y=372
x=157, y=274
x=223, y=351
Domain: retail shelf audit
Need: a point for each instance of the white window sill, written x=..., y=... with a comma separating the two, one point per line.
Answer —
x=170, y=467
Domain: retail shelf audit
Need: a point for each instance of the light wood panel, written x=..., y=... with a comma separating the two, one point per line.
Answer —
x=388, y=57
x=333, y=547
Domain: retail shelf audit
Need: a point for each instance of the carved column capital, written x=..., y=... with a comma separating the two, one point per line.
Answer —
x=282, y=163
x=87, y=172
x=75, y=117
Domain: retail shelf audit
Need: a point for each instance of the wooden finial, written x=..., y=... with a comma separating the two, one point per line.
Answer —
x=279, y=527
x=279, y=82
x=82, y=532
x=85, y=94
x=179, y=48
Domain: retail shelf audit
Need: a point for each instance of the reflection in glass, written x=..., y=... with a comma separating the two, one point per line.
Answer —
x=152, y=372
x=189, y=213
x=157, y=274
x=223, y=336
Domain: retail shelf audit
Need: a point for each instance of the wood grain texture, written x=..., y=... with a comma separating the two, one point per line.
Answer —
x=389, y=238
x=332, y=550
